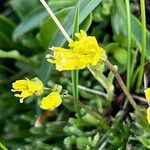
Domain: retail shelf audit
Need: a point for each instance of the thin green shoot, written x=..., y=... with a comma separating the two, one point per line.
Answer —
x=141, y=73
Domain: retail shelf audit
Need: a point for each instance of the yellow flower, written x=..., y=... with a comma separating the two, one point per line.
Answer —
x=148, y=115
x=83, y=52
x=147, y=94
x=27, y=88
x=81, y=35
x=51, y=101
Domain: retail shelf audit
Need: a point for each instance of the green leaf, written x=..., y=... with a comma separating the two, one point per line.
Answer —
x=136, y=29
x=121, y=56
x=55, y=128
x=23, y=7
x=85, y=25
x=86, y=7
x=75, y=73
x=118, y=18
x=121, y=40
x=38, y=131
x=118, y=21
x=48, y=28
x=32, y=21
x=6, y=28
x=6, y=25
x=145, y=142
x=30, y=41
x=60, y=4
x=13, y=54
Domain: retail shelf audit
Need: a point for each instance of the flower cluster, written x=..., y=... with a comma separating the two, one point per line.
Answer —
x=147, y=95
x=27, y=88
x=81, y=53
x=34, y=87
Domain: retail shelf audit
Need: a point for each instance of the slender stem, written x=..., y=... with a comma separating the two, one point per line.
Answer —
x=133, y=63
x=139, y=98
x=121, y=83
x=74, y=76
x=3, y=147
x=46, y=88
x=128, y=80
x=75, y=73
x=56, y=20
x=128, y=44
x=90, y=111
x=142, y=99
x=92, y=91
x=140, y=79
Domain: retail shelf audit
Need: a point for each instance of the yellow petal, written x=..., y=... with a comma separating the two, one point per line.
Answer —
x=148, y=115
x=81, y=35
x=58, y=49
x=36, y=86
x=147, y=94
x=24, y=94
x=51, y=101
x=82, y=52
x=27, y=88
x=20, y=85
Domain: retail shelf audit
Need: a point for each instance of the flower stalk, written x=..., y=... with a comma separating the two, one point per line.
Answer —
x=75, y=73
x=50, y=12
x=92, y=91
x=121, y=83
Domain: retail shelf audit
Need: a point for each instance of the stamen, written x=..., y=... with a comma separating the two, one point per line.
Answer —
x=12, y=90
x=51, y=61
x=21, y=100
x=49, y=56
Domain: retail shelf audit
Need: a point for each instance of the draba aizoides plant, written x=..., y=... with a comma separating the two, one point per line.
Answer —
x=81, y=53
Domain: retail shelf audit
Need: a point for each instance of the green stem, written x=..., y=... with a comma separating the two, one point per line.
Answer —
x=128, y=81
x=140, y=78
x=134, y=59
x=121, y=83
x=90, y=111
x=3, y=147
x=99, y=76
x=105, y=95
x=92, y=91
x=128, y=44
x=74, y=76
x=75, y=73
